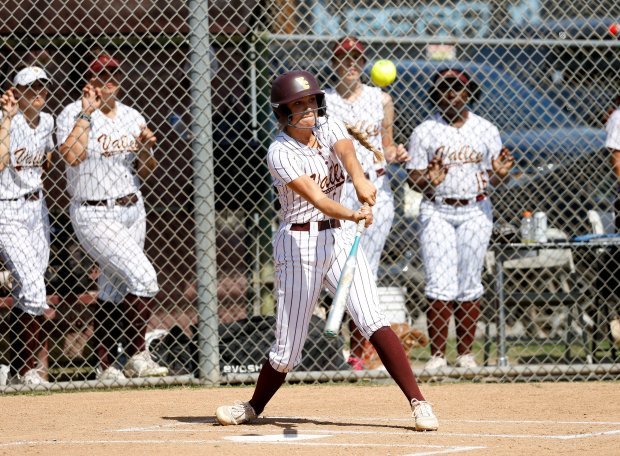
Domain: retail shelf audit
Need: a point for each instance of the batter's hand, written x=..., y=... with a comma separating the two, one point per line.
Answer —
x=91, y=98
x=436, y=172
x=503, y=163
x=366, y=191
x=146, y=139
x=364, y=212
x=9, y=104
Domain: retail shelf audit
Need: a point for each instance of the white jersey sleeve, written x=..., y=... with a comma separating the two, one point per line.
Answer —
x=284, y=165
x=613, y=131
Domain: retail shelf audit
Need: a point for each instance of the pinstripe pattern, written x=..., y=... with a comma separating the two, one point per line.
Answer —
x=308, y=261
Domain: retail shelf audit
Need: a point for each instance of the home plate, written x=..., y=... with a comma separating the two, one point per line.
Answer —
x=286, y=437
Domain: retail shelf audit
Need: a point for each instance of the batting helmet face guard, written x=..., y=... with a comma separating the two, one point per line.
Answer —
x=292, y=86
x=453, y=78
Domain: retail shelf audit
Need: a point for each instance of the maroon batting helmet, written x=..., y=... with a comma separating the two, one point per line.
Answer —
x=292, y=86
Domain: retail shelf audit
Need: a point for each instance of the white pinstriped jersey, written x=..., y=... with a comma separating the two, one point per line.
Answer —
x=613, y=131
x=107, y=172
x=466, y=152
x=28, y=148
x=365, y=112
x=288, y=160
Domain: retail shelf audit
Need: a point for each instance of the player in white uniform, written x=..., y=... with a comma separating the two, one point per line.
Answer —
x=102, y=141
x=454, y=155
x=372, y=111
x=26, y=142
x=612, y=142
x=307, y=161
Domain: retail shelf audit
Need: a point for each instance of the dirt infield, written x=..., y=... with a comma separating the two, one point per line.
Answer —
x=476, y=419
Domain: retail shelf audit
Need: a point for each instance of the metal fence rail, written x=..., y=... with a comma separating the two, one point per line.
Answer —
x=200, y=73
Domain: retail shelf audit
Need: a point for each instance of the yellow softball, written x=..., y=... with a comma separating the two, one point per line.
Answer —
x=383, y=73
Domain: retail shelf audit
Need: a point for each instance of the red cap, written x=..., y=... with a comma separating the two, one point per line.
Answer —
x=348, y=44
x=455, y=74
x=614, y=29
x=104, y=62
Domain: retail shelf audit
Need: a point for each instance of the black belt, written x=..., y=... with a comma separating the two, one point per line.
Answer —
x=459, y=202
x=127, y=200
x=32, y=196
x=322, y=225
x=380, y=172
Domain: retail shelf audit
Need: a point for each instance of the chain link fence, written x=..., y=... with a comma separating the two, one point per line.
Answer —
x=199, y=73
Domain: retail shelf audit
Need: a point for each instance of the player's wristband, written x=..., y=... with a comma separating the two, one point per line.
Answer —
x=83, y=116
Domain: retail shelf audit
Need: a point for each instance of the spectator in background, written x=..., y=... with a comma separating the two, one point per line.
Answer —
x=371, y=110
x=108, y=147
x=454, y=156
x=26, y=145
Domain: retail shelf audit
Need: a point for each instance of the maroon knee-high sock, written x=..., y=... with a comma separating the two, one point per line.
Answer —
x=395, y=360
x=137, y=315
x=269, y=382
x=466, y=314
x=25, y=340
x=437, y=319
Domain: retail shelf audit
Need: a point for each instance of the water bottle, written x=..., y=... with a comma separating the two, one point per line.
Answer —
x=540, y=226
x=179, y=126
x=527, y=228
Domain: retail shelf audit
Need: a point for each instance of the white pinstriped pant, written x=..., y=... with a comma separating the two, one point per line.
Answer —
x=113, y=236
x=25, y=245
x=453, y=243
x=306, y=262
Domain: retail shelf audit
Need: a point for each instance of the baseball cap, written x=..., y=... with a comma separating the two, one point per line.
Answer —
x=28, y=75
x=104, y=62
x=454, y=74
x=348, y=44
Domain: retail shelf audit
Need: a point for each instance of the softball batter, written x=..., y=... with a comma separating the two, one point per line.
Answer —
x=372, y=111
x=454, y=155
x=26, y=142
x=102, y=140
x=307, y=161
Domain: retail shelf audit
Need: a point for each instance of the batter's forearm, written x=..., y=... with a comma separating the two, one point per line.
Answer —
x=334, y=209
x=74, y=148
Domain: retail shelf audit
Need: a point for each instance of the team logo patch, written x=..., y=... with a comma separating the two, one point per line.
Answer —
x=303, y=82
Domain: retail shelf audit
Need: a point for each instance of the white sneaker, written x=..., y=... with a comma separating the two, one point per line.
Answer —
x=467, y=361
x=4, y=374
x=436, y=362
x=111, y=374
x=425, y=419
x=142, y=365
x=32, y=378
x=241, y=412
